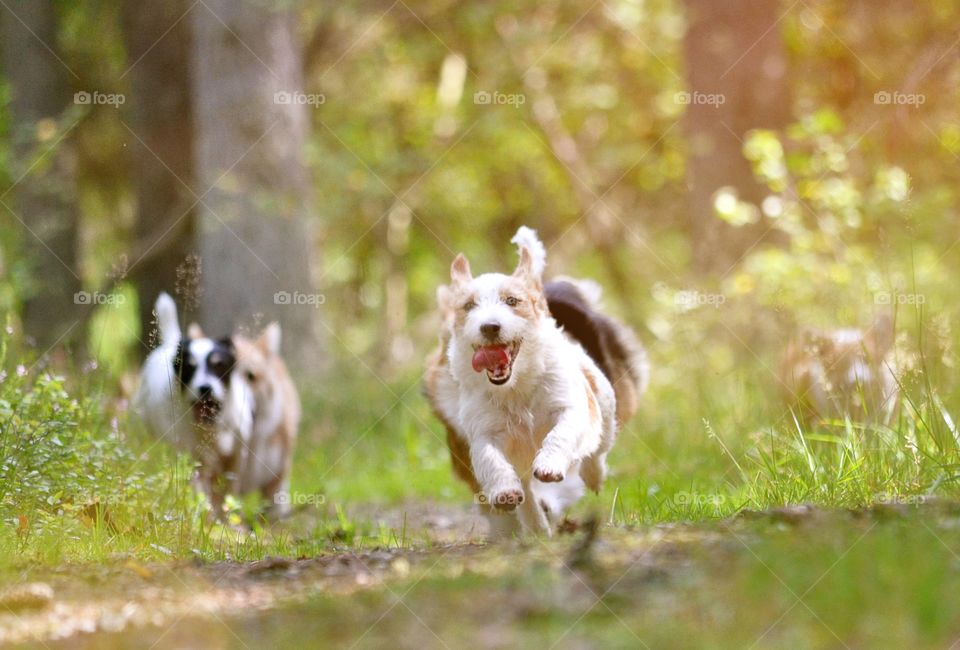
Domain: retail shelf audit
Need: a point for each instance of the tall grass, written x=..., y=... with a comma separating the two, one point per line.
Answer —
x=81, y=482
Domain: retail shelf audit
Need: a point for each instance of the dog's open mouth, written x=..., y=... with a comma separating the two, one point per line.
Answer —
x=205, y=411
x=497, y=360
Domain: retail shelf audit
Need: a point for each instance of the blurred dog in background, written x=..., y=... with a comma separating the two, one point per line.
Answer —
x=190, y=395
x=833, y=374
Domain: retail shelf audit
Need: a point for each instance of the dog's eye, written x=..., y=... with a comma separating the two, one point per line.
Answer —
x=470, y=304
x=251, y=377
x=511, y=301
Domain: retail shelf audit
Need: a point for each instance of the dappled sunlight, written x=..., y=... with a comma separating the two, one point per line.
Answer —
x=763, y=194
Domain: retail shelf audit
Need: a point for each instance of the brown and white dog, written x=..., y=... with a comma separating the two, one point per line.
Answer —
x=276, y=418
x=832, y=374
x=228, y=402
x=532, y=383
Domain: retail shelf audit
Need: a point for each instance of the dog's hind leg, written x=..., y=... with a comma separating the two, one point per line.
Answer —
x=276, y=495
x=556, y=498
x=593, y=471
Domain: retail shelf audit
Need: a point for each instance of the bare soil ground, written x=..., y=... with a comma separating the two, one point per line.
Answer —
x=596, y=586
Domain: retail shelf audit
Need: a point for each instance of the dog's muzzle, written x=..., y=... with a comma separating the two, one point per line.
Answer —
x=497, y=360
x=206, y=410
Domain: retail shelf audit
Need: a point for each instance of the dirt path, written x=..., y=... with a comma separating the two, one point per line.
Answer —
x=679, y=585
x=88, y=606
x=50, y=605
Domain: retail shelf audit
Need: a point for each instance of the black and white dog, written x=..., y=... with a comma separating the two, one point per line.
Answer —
x=190, y=395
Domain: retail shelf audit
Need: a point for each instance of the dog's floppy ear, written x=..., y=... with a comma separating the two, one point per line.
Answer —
x=269, y=340
x=194, y=331
x=460, y=270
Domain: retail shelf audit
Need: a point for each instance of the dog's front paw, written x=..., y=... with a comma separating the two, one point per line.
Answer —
x=548, y=469
x=507, y=499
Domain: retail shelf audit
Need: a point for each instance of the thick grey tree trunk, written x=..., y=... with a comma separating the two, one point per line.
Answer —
x=161, y=148
x=733, y=48
x=42, y=204
x=254, y=234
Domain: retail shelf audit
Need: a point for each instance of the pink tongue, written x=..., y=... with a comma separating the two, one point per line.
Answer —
x=490, y=357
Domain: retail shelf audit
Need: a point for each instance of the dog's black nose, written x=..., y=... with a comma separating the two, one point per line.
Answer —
x=205, y=391
x=490, y=330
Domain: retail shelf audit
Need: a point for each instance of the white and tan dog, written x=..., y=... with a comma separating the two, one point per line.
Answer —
x=839, y=373
x=530, y=407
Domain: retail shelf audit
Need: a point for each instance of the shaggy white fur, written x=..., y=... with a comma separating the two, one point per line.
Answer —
x=538, y=414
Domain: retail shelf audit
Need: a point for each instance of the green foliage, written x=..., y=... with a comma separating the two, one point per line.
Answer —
x=408, y=169
x=66, y=464
x=859, y=211
x=45, y=434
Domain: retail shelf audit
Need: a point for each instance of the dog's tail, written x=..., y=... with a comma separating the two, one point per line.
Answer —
x=527, y=238
x=166, y=311
x=575, y=305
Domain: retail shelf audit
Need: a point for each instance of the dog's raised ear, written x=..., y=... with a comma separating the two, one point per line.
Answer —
x=460, y=270
x=194, y=331
x=527, y=268
x=269, y=341
x=533, y=254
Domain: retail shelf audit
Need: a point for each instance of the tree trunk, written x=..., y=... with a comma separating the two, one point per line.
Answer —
x=42, y=202
x=161, y=149
x=734, y=50
x=254, y=236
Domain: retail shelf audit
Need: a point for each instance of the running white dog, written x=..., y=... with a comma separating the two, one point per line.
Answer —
x=530, y=404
